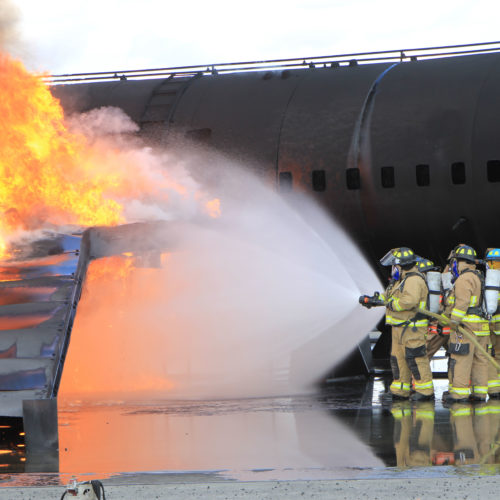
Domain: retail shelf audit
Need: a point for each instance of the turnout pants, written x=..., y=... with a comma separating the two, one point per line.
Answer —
x=409, y=359
x=468, y=366
x=493, y=375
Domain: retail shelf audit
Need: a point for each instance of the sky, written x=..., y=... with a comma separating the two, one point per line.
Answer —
x=72, y=36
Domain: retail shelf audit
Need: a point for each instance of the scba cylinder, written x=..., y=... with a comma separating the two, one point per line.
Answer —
x=491, y=290
x=433, y=279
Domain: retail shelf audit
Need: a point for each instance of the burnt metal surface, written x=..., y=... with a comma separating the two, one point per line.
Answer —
x=39, y=288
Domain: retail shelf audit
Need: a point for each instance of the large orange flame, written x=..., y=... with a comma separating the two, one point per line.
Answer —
x=43, y=172
x=51, y=176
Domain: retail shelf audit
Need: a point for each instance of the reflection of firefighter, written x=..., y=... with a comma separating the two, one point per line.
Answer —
x=492, y=455
x=464, y=441
x=492, y=259
x=475, y=433
x=463, y=306
x=413, y=432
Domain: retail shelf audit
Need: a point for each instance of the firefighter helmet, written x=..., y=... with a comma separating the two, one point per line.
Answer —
x=400, y=255
x=492, y=254
x=424, y=265
x=492, y=258
x=465, y=252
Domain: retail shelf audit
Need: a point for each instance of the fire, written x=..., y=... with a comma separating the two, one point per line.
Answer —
x=45, y=172
x=213, y=208
x=52, y=176
x=111, y=268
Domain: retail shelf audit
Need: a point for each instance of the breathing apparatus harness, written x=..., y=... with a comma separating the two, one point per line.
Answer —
x=418, y=315
x=479, y=310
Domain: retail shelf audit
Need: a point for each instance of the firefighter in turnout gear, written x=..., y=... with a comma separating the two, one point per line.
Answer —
x=492, y=259
x=437, y=335
x=463, y=307
x=407, y=292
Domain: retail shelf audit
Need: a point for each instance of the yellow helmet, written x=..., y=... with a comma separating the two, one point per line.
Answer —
x=424, y=265
x=400, y=255
x=465, y=252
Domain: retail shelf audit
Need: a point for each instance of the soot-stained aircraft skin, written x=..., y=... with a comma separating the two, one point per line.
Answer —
x=400, y=153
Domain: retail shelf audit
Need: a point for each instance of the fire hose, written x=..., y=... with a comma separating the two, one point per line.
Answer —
x=376, y=300
x=444, y=321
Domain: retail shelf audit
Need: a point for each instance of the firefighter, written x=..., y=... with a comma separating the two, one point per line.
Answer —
x=492, y=259
x=463, y=308
x=437, y=335
x=406, y=294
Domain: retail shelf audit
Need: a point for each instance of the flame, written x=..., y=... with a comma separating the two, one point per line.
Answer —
x=115, y=268
x=52, y=176
x=213, y=208
x=45, y=172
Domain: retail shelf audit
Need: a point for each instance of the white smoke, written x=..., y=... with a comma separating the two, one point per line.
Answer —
x=165, y=190
x=9, y=18
x=262, y=301
x=99, y=122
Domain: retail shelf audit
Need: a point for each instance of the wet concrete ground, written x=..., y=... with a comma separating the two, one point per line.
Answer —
x=342, y=432
x=287, y=447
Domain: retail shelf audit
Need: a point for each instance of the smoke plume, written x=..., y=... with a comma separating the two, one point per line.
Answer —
x=10, y=39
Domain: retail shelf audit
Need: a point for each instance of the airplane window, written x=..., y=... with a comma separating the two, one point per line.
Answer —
x=285, y=181
x=318, y=180
x=458, y=173
x=423, y=175
x=387, y=177
x=493, y=167
x=352, y=178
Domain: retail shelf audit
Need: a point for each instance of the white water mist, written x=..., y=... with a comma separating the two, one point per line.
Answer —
x=262, y=301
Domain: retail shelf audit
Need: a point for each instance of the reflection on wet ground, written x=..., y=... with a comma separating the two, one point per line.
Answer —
x=337, y=433
x=342, y=432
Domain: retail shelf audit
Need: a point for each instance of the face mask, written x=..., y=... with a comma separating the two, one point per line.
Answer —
x=454, y=268
x=396, y=273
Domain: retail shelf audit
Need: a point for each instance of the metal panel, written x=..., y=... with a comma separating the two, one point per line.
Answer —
x=318, y=131
x=425, y=113
x=131, y=96
x=39, y=293
x=243, y=111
